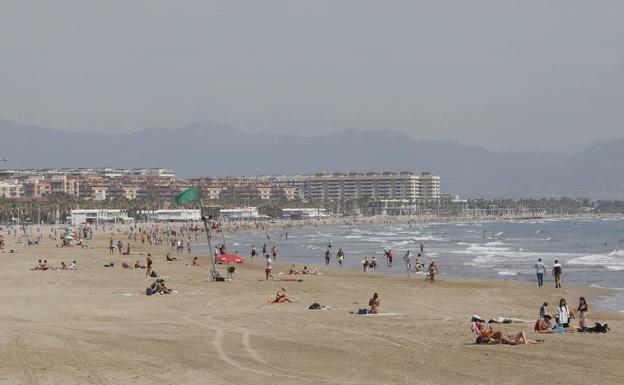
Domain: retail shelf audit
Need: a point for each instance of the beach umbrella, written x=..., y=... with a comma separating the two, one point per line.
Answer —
x=229, y=259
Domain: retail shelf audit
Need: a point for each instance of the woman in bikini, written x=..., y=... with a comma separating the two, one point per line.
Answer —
x=374, y=304
x=582, y=310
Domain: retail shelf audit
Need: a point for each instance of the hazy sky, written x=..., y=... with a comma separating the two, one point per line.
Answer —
x=496, y=73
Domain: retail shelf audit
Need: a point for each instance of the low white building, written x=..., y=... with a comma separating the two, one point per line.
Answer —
x=179, y=215
x=239, y=214
x=304, y=213
x=78, y=217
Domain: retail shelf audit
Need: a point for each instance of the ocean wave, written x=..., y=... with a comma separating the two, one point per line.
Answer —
x=507, y=272
x=612, y=261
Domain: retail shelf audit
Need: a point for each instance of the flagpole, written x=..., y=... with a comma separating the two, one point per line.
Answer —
x=191, y=195
x=205, y=220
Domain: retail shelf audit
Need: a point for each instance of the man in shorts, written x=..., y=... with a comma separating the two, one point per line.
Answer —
x=268, y=268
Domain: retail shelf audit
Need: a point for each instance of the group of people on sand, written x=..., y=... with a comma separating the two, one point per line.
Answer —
x=560, y=323
x=43, y=265
x=294, y=271
x=158, y=288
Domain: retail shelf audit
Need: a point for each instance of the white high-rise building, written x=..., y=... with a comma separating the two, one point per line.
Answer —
x=372, y=185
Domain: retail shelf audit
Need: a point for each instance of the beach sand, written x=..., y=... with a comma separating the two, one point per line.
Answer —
x=96, y=326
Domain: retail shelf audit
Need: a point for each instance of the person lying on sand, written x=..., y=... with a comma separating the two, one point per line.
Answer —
x=170, y=258
x=126, y=266
x=505, y=320
x=507, y=339
x=137, y=265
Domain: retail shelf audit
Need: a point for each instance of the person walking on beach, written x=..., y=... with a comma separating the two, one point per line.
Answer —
x=340, y=256
x=365, y=263
x=540, y=269
x=327, y=256
x=111, y=246
x=557, y=270
x=268, y=268
x=264, y=249
x=149, y=265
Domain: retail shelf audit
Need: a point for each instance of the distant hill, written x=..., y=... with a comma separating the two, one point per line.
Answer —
x=210, y=149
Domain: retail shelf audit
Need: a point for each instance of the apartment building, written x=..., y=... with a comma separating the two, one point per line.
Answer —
x=11, y=189
x=386, y=185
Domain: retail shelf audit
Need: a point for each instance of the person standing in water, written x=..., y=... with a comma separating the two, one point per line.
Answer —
x=327, y=256
x=253, y=251
x=408, y=261
x=340, y=256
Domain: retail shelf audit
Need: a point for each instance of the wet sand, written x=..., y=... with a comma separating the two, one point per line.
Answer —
x=96, y=326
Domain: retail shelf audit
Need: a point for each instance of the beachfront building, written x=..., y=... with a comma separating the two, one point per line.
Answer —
x=244, y=214
x=374, y=186
x=304, y=213
x=179, y=215
x=11, y=189
x=95, y=216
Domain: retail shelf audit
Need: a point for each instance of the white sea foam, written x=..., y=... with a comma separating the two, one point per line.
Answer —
x=507, y=272
x=612, y=261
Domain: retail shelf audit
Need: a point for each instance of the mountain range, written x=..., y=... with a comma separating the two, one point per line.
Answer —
x=211, y=149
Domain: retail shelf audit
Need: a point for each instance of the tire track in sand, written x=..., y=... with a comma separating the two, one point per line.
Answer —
x=27, y=370
x=246, y=344
x=84, y=364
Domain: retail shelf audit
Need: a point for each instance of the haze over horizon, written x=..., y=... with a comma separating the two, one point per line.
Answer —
x=498, y=74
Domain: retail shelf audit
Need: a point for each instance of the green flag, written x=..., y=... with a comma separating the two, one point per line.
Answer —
x=188, y=195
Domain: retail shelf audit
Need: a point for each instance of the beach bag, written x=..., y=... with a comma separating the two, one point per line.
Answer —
x=363, y=311
x=314, y=306
x=600, y=328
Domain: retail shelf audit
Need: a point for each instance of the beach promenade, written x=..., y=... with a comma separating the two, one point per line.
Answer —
x=96, y=326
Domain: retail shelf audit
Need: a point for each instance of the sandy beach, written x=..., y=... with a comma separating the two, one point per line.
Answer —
x=97, y=326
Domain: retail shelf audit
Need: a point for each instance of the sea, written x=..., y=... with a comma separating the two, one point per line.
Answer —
x=590, y=250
